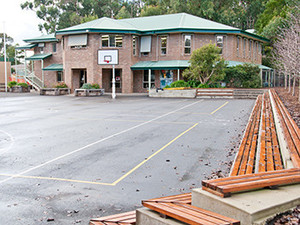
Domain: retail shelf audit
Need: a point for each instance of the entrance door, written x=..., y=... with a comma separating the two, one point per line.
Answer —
x=166, y=78
x=82, y=78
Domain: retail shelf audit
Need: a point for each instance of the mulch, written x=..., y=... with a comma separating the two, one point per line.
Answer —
x=292, y=103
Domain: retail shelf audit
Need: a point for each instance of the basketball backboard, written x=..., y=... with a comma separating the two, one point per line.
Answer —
x=106, y=57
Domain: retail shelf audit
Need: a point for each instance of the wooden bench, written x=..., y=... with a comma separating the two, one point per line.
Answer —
x=118, y=219
x=225, y=186
x=244, y=162
x=290, y=129
x=179, y=207
x=270, y=156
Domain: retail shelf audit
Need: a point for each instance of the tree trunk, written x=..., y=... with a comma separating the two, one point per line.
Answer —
x=294, y=84
x=290, y=82
x=299, y=88
x=285, y=80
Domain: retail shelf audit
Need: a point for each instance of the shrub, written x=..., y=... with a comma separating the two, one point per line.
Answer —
x=61, y=85
x=24, y=85
x=203, y=86
x=167, y=86
x=193, y=83
x=12, y=84
x=245, y=76
x=95, y=86
x=179, y=83
x=86, y=86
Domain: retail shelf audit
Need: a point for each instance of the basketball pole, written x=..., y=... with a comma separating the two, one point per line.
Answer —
x=113, y=94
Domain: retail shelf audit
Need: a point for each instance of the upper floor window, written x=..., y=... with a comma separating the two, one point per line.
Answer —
x=112, y=40
x=259, y=49
x=220, y=43
x=254, y=49
x=250, y=47
x=41, y=47
x=187, y=43
x=53, y=47
x=77, y=41
x=238, y=46
x=134, y=41
x=163, y=45
x=244, y=47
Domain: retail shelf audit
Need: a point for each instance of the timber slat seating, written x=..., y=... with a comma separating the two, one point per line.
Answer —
x=290, y=129
x=223, y=187
x=270, y=156
x=245, y=159
x=179, y=207
x=120, y=219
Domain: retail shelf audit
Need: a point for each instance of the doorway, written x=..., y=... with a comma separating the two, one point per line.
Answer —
x=82, y=78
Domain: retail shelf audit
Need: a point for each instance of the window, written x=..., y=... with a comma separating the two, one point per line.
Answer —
x=163, y=45
x=238, y=46
x=59, y=76
x=53, y=47
x=134, y=40
x=77, y=41
x=118, y=77
x=254, y=50
x=220, y=42
x=259, y=49
x=244, y=48
x=250, y=47
x=112, y=41
x=187, y=43
x=146, y=79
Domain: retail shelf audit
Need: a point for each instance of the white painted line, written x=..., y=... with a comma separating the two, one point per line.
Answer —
x=2, y=150
x=96, y=142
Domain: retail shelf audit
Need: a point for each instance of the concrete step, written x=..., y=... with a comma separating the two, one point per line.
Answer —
x=253, y=207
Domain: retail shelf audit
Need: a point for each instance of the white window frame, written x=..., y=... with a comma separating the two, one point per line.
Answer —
x=165, y=37
x=145, y=81
x=222, y=42
x=186, y=46
x=109, y=40
x=134, y=44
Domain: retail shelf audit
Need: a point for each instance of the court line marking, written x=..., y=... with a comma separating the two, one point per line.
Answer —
x=154, y=154
x=55, y=179
x=101, y=183
x=219, y=108
x=99, y=141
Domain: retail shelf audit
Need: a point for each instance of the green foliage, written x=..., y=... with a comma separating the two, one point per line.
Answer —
x=206, y=65
x=95, y=86
x=179, y=83
x=123, y=13
x=61, y=85
x=12, y=84
x=24, y=85
x=152, y=10
x=90, y=86
x=193, y=83
x=203, y=86
x=245, y=76
x=167, y=86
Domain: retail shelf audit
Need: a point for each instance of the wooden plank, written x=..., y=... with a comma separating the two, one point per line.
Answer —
x=259, y=184
x=269, y=150
x=250, y=177
x=184, y=198
x=184, y=217
x=262, y=155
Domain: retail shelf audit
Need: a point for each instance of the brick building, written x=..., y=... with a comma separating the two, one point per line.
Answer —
x=156, y=45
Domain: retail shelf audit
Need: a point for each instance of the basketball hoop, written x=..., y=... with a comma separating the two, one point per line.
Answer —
x=107, y=61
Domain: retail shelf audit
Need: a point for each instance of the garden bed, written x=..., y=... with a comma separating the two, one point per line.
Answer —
x=19, y=89
x=89, y=92
x=55, y=91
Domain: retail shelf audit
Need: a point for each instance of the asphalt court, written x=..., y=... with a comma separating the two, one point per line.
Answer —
x=188, y=113
x=104, y=145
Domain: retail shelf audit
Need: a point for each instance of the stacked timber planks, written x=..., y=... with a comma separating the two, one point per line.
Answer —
x=128, y=218
x=290, y=129
x=245, y=159
x=223, y=187
x=214, y=93
x=179, y=207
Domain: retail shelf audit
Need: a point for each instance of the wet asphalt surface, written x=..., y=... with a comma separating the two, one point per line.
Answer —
x=68, y=159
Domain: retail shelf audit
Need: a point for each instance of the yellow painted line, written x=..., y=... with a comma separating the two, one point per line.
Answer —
x=219, y=108
x=56, y=179
x=151, y=156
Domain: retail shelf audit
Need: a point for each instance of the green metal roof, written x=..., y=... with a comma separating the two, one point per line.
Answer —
x=157, y=65
x=236, y=63
x=29, y=46
x=7, y=59
x=54, y=67
x=39, y=56
x=180, y=22
x=43, y=38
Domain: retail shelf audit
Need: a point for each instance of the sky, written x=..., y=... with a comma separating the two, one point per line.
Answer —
x=19, y=24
